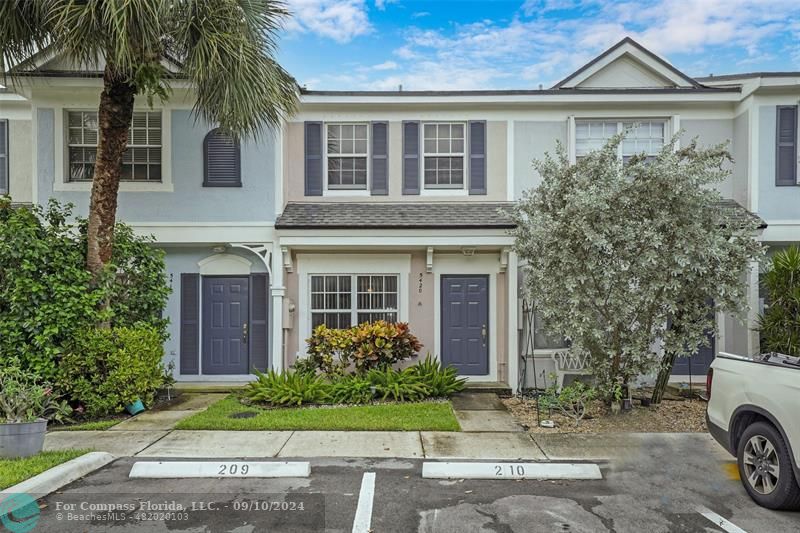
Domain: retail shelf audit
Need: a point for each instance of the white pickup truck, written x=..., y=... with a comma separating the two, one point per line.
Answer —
x=754, y=412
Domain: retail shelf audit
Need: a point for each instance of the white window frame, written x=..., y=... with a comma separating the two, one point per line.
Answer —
x=354, y=309
x=61, y=181
x=398, y=264
x=340, y=190
x=671, y=127
x=437, y=188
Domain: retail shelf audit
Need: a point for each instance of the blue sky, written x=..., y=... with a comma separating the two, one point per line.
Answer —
x=448, y=44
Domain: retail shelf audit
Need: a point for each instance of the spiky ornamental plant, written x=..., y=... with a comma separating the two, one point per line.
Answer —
x=613, y=251
x=780, y=323
x=224, y=48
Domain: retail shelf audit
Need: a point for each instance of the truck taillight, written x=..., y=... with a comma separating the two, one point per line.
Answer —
x=709, y=379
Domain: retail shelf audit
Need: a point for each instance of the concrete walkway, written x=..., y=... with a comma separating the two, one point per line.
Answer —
x=489, y=432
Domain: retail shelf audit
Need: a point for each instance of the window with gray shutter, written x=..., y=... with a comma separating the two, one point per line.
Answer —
x=221, y=160
x=410, y=157
x=259, y=322
x=380, y=152
x=786, y=146
x=3, y=157
x=312, y=141
x=477, y=157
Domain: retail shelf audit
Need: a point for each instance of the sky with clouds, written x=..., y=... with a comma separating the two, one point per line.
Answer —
x=504, y=44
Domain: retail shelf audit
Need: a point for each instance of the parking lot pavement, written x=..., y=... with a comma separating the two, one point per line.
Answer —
x=668, y=491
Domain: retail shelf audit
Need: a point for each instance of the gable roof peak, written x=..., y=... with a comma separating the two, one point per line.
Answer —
x=628, y=64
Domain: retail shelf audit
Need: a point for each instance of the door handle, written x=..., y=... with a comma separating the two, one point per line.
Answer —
x=483, y=334
x=244, y=333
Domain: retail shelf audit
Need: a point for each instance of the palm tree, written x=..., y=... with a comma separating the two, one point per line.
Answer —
x=224, y=48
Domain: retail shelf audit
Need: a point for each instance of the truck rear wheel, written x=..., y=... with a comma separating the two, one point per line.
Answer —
x=765, y=468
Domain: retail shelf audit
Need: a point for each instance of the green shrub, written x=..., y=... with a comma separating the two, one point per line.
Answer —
x=399, y=385
x=363, y=347
x=354, y=389
x=288, y=388
x=570, y=400
x=329, y=350
x=106, y=369
x=441, y=382
x=23, y=398
x=382, y=344
x=779, y=325
x=46, y=295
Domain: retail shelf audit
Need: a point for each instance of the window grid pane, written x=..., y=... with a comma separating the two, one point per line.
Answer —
x=347, y=152
x=339, y=301
x=443, y=154
x=141, y=160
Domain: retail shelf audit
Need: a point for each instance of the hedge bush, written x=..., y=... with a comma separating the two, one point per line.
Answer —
x=105, y=369
x=46, y=295
x=370, y=345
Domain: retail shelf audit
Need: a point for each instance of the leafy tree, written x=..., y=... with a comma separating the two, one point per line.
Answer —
x=47, y=297
x=614, y=250
x=224, y=48
x=780, y=323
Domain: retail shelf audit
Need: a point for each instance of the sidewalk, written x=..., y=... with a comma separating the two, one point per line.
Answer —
x=488, y=432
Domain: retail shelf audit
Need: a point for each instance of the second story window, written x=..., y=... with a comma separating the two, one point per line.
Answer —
x=444, y=154
x=347, y=152
x=142, y=158
x=645, y=136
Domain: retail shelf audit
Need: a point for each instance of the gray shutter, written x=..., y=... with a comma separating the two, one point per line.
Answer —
x=786, y=146
x=313, y=167
x=190, y=324
x=477, y=157
x=3, y=157
x=380, y=159
x=259, y=323
x=411, y=157
x=221, y=160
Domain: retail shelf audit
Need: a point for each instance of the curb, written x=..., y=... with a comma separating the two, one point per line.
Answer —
x=51, y=480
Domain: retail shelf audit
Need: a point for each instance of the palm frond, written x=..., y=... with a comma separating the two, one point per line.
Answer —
x=23, y=31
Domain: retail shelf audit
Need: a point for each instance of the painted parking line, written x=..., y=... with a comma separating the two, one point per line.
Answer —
x=504, y=470
x=218, y=469
x=719, y=521
x=363, y=518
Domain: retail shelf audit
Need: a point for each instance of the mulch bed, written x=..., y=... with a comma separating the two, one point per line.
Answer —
x=679, y=415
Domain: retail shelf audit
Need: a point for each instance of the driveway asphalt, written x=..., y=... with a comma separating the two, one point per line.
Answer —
x=672, y=484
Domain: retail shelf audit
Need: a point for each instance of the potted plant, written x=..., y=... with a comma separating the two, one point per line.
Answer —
x=25, y=407
x=616, y=398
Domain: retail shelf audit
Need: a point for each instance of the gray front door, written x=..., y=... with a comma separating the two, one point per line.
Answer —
x=465, y=324
x=226, y=305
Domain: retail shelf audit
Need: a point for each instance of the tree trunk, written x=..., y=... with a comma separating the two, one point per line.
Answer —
x=114, y=120
x=663, y=378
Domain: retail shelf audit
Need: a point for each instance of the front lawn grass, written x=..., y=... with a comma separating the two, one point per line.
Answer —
x=427, y=416
x=13, y=471
x=94, y=425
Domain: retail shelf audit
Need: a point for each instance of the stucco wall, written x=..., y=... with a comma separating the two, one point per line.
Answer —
x=496, y=167
x=774, y=203
x=532, y=139
x=710, y=132
x=20, y=159
x=189, y=200
x=740, y=148
x=184, y=260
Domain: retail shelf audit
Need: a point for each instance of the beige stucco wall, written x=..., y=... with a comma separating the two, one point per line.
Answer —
x=20, y=186
x=496, y=165
x=421, y=309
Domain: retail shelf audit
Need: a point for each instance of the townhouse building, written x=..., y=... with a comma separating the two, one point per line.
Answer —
x=387, y=205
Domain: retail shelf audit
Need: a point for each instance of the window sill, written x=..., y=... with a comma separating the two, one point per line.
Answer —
x=347, y=192
x=124, y=186
x=444, y=192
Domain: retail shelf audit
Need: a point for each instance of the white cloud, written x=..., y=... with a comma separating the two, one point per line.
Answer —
x=386, y=65
x=381, y=4
x=340, y=20
x=420, y=14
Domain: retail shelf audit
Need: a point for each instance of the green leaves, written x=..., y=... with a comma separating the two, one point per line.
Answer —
x=441, y=382
x=288, y=388
x=780, y=323
x=614, y=250
x=25, y=398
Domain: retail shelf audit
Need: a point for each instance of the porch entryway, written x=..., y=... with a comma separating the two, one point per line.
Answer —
x=465, y=323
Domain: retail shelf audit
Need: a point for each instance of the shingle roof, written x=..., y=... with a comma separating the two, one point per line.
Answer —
x=417, y=215
x=739, y=213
